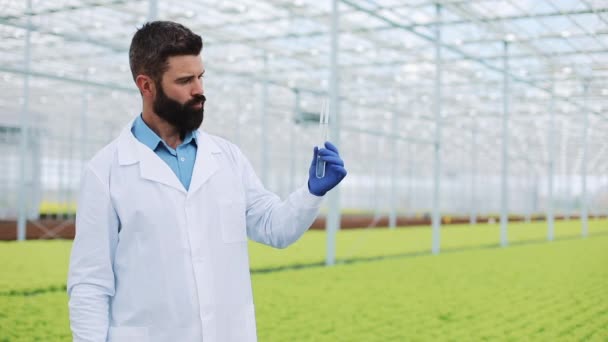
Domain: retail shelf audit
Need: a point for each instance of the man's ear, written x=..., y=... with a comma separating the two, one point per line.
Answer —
x=146, y=85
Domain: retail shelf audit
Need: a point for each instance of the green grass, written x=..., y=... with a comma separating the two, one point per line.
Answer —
x=367, y=243
x=541, y=291
x=545, y=292
x=41, y=317
x=34, y=265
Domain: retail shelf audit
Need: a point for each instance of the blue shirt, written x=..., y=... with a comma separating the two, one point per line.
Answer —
x=180, y=160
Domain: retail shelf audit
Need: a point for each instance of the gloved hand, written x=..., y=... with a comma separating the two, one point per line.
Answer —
x=334, y=170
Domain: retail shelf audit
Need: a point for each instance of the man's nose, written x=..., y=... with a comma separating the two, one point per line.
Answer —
x=198, y=88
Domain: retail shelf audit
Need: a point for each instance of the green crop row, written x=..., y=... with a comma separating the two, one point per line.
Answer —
x=34, y=266
x=542, y=292
x=536, y=292
x=356, y=244
x=41, y=266
x=40, y=317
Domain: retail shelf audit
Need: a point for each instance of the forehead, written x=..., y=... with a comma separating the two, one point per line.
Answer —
x=187, y=64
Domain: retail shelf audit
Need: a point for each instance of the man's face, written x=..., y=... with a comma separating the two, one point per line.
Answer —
x=179, y=96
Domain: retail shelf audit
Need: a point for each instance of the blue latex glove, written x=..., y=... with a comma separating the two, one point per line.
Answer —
x=334, y=170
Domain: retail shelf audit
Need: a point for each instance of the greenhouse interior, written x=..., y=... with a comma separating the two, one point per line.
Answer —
x=473, y=133
x=442, y=110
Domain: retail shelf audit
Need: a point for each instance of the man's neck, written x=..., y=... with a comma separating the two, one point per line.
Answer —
x=167, y=132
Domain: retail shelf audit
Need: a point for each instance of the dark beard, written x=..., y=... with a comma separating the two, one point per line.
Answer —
x=185, y=118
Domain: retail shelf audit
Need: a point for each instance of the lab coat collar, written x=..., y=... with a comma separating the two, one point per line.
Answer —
x=127, y=146
x=205, y=164
x=131, y=151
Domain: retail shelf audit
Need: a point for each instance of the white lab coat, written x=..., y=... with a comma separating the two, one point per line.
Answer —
x=153, y=262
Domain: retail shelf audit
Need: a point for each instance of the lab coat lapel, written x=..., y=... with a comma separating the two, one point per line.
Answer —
x=205, y=164
x=151, y=167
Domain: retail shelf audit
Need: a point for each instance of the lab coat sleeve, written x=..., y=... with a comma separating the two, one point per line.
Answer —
x=91, y=277
x=272, y=221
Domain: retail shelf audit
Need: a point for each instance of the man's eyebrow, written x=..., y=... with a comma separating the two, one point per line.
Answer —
x=185, y=78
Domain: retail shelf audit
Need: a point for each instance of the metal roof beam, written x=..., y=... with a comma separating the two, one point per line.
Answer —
x=76, y=37
x=69, y=8
x=469, y=57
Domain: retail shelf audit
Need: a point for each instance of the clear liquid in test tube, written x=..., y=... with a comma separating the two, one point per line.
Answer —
x=323, y=123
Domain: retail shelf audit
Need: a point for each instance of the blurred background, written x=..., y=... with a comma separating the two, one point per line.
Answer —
x=460, y=108
x=488, y=113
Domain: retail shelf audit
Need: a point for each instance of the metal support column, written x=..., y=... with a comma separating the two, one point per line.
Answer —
x=605, y=186
x=504, y=211
x=238, y=113
x=566, y=179
x=530, y=192
x=436, y=219
x=65, y=172
x=84, y=127
x=410, y=212
x=152, y=10
x=550, y=176
x=292, y=142
x=392, y=218
x=584, y=201
x=473, y=217
x=264, y=122
x=24, y=124
x=376, y=169
x=333, y=216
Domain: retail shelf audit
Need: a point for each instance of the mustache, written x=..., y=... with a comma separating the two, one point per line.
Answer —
x=195, y=100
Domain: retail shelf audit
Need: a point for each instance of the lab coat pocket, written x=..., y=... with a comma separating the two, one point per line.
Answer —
x=232, y=220
x=128, y=334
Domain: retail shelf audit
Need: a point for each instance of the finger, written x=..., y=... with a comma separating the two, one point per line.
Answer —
x=338, y=170
x=315, y=152
x=331, y=147
x=326, y=152
x=333, y=160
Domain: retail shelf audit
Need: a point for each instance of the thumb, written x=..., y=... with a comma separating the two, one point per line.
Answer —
x=314, y=156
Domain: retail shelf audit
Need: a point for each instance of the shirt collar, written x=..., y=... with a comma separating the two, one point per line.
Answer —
x=191, y=137
x=148, y=137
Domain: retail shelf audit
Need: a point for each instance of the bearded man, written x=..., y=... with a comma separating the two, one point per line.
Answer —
x=165, y=210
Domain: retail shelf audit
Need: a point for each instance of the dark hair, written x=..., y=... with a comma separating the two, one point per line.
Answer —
x=155, y=42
